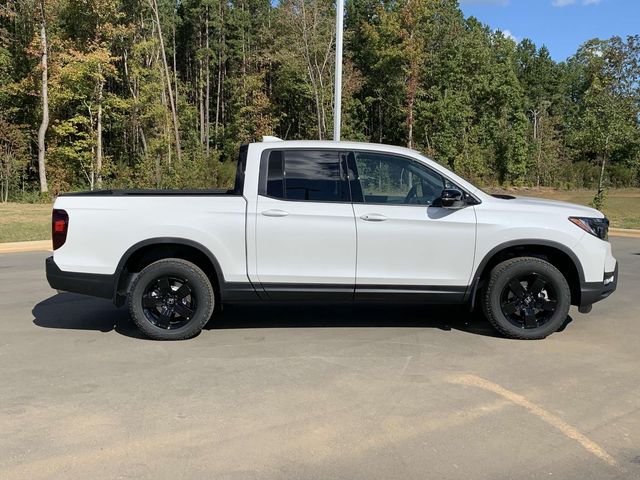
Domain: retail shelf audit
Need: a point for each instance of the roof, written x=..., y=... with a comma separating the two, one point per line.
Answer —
x=335, y=145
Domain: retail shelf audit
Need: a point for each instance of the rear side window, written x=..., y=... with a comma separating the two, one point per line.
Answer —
x=305, y=175
x=242, y=164
x=275, y=175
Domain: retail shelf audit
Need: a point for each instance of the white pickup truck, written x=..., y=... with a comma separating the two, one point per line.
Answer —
x=331, y=221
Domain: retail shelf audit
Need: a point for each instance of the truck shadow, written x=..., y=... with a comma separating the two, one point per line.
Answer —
x=352, y=315
x=79, y=312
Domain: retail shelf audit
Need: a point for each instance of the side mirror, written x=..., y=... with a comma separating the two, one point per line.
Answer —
x=452, y=198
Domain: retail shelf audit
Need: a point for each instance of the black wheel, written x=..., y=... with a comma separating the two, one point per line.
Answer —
x=171, y=299
x=526, y=298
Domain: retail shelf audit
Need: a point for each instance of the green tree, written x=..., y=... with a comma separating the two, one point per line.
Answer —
x=136, y=85
x=13, y=157
x=607, y=123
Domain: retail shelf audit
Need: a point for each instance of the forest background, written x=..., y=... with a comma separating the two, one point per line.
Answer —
x=161, y=93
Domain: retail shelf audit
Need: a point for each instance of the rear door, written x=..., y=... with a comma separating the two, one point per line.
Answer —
x=305, y=226
x=407, y=244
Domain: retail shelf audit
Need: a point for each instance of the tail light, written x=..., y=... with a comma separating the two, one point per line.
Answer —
x=59, y=228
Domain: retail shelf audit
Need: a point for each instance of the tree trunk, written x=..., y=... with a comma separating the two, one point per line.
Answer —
x=208, y=84
x=219, y=86
x=312, y=78
x=166, y=125
x=137, y=128
x=175, y=65
x=601, y=179
x=174, y=114
x=201, y=102
x=318, y=112
x=539, y=159
x=380, y=120
x=200, y=83
x=44, y=125
x=602, y=167
x=414, y=49
x=244, y=61
x=412, y=87
x=598, y=200
x=223, y=98
x=99, y=130
x=536, y=123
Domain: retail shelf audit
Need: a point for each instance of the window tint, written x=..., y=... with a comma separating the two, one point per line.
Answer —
x=275, y=175
x=310, y=175
x=395, y=180
x=238, y=187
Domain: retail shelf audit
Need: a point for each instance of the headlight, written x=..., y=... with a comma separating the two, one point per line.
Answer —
x=598, y=227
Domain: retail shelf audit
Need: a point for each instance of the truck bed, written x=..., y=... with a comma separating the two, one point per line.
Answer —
x=139, y=192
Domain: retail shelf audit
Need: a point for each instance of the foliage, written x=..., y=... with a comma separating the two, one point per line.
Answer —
x=13, y=158
x=416, y=73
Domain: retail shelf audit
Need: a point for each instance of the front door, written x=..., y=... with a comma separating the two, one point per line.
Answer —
x=305, y=228
x=407, y=244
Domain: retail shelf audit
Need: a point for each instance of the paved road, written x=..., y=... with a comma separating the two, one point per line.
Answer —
x=314, y=393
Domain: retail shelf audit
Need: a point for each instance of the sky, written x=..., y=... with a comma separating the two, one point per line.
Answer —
x=561, y=25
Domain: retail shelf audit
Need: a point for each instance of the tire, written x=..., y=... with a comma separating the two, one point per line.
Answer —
x=526, y=298
x=171, y=299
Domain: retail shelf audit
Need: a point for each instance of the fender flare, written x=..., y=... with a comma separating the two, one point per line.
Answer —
x=470, y=294
x=120, y=269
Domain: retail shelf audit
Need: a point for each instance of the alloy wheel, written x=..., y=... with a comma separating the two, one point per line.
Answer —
x=169, y=302
x=528, y=301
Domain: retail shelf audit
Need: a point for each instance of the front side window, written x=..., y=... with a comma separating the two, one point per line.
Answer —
x=307, y=175
x=389, y=179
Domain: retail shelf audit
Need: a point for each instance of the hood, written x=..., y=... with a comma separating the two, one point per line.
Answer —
x=569, y=208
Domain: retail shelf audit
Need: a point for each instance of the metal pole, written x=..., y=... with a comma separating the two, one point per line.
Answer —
x=337, y=101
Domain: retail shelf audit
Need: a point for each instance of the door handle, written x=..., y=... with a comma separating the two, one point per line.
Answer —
x=275, y=213
x=373, y=217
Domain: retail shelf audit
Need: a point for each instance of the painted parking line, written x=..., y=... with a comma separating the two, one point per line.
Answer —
x=544, y=415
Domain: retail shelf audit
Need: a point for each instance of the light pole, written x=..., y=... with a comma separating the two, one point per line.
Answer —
x=337, y=101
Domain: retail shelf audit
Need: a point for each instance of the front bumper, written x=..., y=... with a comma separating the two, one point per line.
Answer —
x=593, y=292
x=93, y=284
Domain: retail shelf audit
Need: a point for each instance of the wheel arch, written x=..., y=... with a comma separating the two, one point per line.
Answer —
x=150, y=250
x=555, y=253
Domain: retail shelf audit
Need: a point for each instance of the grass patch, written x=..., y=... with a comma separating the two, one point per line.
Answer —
x=24, y=221
x=622, y=206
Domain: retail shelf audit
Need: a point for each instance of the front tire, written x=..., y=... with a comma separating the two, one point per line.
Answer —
x=526, y=298
x=171, y=299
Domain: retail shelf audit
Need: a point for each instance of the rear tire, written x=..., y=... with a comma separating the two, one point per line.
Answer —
x=171, y=299
x=526, y=298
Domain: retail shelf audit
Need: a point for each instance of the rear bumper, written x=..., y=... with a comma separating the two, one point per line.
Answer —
x=93, y=284
x=593, y=292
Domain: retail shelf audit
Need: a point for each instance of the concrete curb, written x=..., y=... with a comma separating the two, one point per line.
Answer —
x=624, y=232
x=45, y=245
x=21, y=247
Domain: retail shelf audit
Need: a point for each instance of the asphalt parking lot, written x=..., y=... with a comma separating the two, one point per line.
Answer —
x=318, y=392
